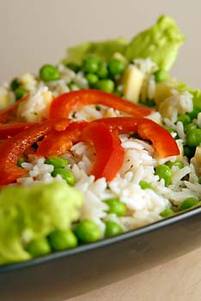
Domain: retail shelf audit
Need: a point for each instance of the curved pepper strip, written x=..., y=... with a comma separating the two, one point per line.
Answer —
x=11, y=129
x=163, y=143
x=61, y=125
x=109, y=152
x=67, y=103
x=8, y=130
x=13, y=148
x=58, y=143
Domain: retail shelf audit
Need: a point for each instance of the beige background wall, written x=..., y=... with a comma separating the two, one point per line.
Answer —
x=37, y=31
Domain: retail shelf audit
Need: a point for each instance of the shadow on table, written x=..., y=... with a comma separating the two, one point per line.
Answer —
x=66, y=277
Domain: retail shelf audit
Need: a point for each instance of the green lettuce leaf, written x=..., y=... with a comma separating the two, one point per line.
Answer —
x=103, y=49
x=34, y=211
x=160, y=43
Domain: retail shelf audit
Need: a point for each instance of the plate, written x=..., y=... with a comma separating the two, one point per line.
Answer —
x=66, y=274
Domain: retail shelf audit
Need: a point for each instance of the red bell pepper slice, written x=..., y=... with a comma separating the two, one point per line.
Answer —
x=58, y=143
x=109, y=152
x=13, y=148
x=163, y=143
x=11, y=129
x=8, y=130
x=66, y=103
x=61, y=125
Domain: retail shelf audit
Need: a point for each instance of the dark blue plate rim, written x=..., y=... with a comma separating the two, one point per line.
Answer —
x=102, y=243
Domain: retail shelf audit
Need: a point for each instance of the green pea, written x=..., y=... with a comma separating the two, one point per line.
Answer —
x=118, y=93
x=145, y=185
x=38, y=247
x=20, y=161
x=150, y=103
x=115, y=66
x=20, y=92
x=66, y=174
x=73, y=86
x=142, y=101
x=189, y=127
x=102, y=71
x=14, y=84
x=73, y=66
x=88, y=231
x=106, y=85
x=116, y=207
x=170, y=130
x=49, y=73
x=167, y=212
x=188, y=203
x=193, y=137
x=92, y=79
x=91, y=64
x=161, y=75
x=119, y=90
x=176, y=163
x=57, y=162
x=189, y=151
x=112, y=229
x=184, y=118
x=194, y=113
x=61, y=240
x=164, y=172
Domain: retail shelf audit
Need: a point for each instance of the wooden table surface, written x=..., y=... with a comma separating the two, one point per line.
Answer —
x=176, y=280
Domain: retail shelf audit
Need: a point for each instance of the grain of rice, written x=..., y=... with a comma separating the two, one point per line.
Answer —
x=151, y=87
x=180, y=130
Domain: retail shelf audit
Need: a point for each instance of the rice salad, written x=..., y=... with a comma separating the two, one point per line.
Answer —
x=153, y=171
